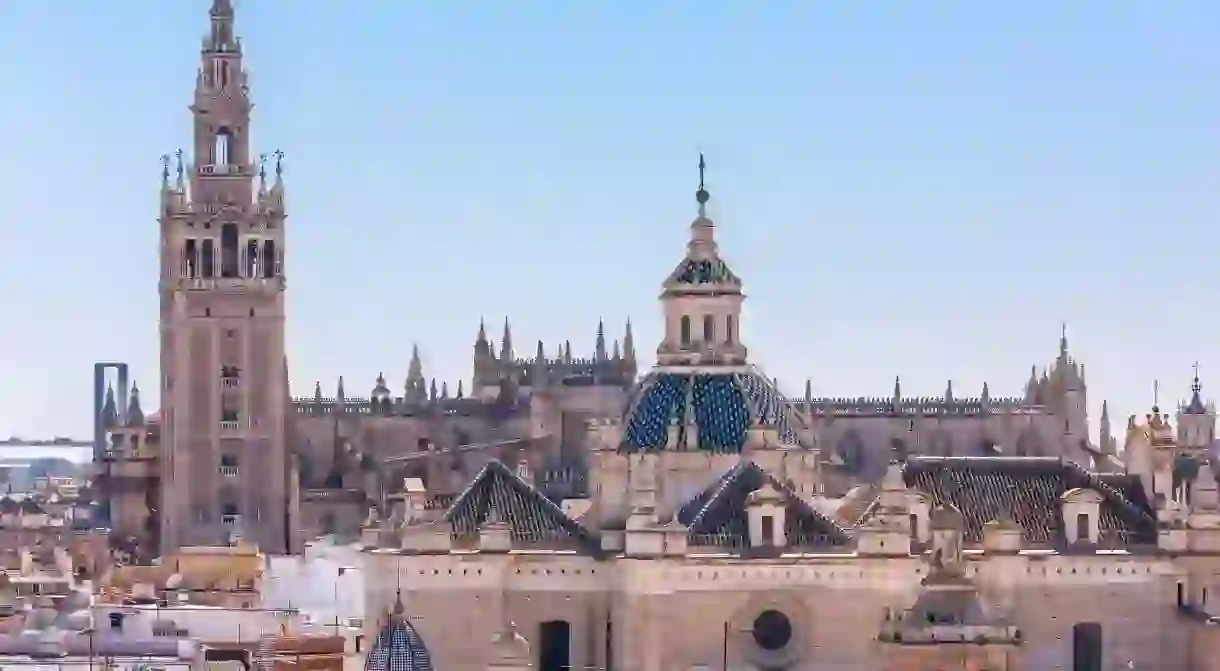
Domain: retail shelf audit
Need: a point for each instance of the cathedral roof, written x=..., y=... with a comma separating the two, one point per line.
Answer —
x=398, y=646
x=497, y=494
x=1029, y=491
x=720, y=406
x=719, y=512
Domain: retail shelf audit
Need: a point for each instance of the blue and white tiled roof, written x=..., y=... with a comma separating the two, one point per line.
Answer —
x=398, y=646
x=722, y=406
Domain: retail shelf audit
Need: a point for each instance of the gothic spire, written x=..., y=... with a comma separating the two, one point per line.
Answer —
x=506, y=343
x=1196, y=405
x=599, y=352
x=415, y=370
x=135, y=414
x=110, y=410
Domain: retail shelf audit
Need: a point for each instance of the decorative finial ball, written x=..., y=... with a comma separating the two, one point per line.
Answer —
x=702, y=196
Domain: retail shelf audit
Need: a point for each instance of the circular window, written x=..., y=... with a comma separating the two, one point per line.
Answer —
x=772, y=630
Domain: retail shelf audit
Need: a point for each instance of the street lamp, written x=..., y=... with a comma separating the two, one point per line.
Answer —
x=724, y=656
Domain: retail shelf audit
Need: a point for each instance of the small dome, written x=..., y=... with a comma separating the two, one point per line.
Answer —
x=381, y=391
x=722, y=407
x=704, y=271
x=398, y=646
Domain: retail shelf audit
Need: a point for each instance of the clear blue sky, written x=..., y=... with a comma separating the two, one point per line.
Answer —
x=917, y=189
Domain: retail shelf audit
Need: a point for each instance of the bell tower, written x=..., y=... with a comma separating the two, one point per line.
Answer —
x=701, y=300
x=226, y=472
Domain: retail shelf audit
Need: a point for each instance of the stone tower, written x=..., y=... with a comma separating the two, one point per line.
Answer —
x=226, y=472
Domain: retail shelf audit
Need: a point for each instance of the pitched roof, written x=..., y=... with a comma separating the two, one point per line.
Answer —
x=497, y=494
x=1029, y=490
x=718, y=514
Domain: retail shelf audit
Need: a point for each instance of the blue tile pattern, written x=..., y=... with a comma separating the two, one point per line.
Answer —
x=705, y=271
x=398, y=648
x=722, y=406
x=662, y=401
x=720, y=412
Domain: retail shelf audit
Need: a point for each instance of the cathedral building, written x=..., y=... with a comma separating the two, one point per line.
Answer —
x=705, y=538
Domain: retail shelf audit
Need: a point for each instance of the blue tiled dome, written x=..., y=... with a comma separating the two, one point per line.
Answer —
x=722, y=406
x=398, y=646
x=704, y=271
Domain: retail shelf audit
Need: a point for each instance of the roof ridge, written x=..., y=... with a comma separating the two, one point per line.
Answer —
x=496, y=470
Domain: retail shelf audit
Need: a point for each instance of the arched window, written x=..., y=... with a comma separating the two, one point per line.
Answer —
x=228, y=250
x=269, y=258
x=685, y=328
x=251, y=266
x=207, y=259
x=190, y=259
x=728, y=329
x=555, y=646
x=220, y=152
x=709, y=328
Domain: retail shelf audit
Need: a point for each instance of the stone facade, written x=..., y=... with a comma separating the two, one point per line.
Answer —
x=321, y=461
x=224, y=468
x=705, y=538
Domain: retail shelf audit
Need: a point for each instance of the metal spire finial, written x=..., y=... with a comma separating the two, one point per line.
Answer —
x=701, y=195
x=262, y=167
x=165, y=168
x=1156, y=395
x=178, y=155
x=1195, y=386
x=279, y=162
